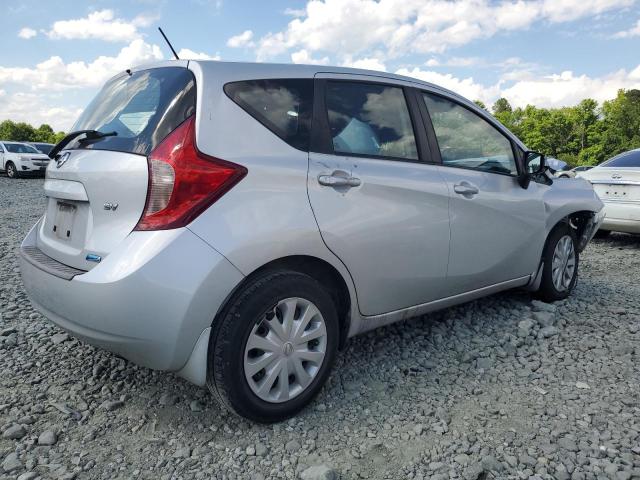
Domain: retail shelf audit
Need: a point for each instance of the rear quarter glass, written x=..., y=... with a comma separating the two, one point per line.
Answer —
x=142, y=108
x=284, y=106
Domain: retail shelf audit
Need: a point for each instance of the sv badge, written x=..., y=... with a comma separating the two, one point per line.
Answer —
x=111, y=206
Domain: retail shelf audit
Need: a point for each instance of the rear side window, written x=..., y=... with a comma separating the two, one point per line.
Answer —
x=370, y=119
x=142, y=108
x=627, y=159
x=282, y=105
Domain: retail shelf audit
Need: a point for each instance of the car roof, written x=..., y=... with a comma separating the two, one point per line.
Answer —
x=295, y=70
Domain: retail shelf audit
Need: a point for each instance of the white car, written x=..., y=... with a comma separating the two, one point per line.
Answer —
x=617, y=183
x=18, y=159
x=573, y=172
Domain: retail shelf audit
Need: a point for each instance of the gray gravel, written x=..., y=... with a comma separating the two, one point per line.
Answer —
x=499, y=388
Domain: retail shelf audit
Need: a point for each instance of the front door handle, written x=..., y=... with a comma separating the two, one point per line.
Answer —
x=339, y=179
x=465, y=188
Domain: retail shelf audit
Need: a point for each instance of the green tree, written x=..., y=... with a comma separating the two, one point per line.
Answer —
x=480, y=103
x=500, y=106
x=23, y=132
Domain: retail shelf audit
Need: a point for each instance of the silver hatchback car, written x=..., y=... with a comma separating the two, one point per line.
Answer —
x=237, y=223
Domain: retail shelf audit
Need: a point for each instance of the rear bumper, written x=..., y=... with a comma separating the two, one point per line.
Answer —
x=622, y=217
x=149, y=301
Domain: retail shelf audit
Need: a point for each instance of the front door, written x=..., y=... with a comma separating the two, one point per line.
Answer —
x=495, y=223
x=380, y=207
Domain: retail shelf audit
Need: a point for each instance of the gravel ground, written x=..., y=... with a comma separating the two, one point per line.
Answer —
x=499, y=388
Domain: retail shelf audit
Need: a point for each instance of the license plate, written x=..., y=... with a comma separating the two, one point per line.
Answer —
x=619, y=192
x=63, y=225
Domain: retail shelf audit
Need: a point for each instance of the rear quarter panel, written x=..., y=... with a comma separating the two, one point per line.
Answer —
x=267, y=215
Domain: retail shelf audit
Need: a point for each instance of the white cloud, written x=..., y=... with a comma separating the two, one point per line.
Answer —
x=37, y=109
x=100, y=24
x=367, y=63
x=632, y=32
x=187, y=54
x=567, y=10
x=567, y=89
x=349, y=28
x=27, y=33
x=54, y=74
x=556, y=90
x=302, y=56
x=466, y=87
x=454, y=62
x=241, y=40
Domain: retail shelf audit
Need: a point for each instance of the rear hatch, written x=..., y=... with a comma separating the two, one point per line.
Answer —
x=97, y=189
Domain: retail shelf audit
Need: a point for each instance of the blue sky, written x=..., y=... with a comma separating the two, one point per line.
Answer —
x=543, y=52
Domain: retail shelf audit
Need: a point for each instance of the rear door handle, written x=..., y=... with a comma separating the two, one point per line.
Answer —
x=339, y=179
x=465, y=188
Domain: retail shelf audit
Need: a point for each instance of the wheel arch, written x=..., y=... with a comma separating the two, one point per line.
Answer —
x=320, y=270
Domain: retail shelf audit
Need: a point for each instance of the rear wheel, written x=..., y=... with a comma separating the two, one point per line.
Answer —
x=12, y=171
x=560, y=271
x=273, y=347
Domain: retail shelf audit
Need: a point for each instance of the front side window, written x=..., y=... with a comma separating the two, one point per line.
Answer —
x=466, y=140
x=370, y=119
x=282, y=105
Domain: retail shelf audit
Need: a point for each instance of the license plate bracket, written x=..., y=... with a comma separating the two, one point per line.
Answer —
x=63, y=225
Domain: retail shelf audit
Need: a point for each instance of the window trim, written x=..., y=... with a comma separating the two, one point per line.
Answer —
x=322, y=141
x=264, y=121
x=517, y=156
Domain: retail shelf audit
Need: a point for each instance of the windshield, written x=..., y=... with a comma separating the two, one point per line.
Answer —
x=142, y=108
x=44, y=147
x=20, y=148
x=626, y=159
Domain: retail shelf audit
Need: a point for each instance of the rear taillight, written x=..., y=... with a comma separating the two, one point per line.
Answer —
x=183, y=182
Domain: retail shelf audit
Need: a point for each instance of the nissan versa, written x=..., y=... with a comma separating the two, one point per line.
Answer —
x=236, y=223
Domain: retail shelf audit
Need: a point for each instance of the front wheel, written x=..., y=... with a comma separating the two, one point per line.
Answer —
x=12, y=171
x=273, y=346
x=560, y=270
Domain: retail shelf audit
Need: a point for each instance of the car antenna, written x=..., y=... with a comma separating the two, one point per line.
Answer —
x=169, y=43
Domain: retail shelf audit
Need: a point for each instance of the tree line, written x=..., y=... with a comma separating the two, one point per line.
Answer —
x=23, y=132
x=586, y=134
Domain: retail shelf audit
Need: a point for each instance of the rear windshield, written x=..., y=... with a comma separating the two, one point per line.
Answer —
x=627, y=159
x=142, y=108
x=20, y=148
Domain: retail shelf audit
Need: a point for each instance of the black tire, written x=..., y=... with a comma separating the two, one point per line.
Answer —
x=548, y=291
x=602, y=233
x=12, y=171
x=231, y=330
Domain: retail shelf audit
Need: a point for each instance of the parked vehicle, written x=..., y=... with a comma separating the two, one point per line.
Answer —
x=573, y=172
x=556, y=166
x=42, y=147
x=236, y=223
x=18, y=159
x=617, y=183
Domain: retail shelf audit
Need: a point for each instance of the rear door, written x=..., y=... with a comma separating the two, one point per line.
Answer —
x=495, y=223
x=382, y=208
x=97, y=189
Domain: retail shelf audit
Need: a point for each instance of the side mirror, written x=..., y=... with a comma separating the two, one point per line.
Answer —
x=535, y=164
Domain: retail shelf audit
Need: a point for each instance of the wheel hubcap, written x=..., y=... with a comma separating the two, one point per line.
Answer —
x=563, y=264
x=285, y=350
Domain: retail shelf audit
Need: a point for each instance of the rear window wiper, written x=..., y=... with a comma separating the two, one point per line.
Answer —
x=90, y=135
